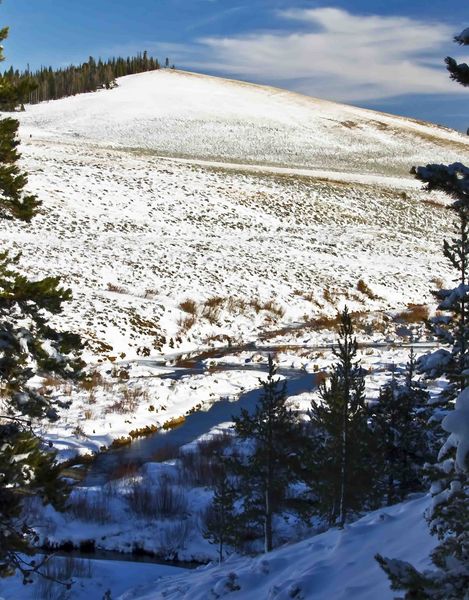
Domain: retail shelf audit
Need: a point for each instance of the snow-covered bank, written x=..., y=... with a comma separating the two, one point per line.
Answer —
x=94, y=579
x=335, y=565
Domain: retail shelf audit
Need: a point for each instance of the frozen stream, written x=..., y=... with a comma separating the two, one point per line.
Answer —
x=195, y=425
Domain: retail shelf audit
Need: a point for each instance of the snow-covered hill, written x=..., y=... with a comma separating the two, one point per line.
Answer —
x=325, y=202
x=196, y=116
x=187, y=211
x=336, y=565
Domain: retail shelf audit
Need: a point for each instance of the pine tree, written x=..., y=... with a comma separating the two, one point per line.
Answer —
x=400, y=423
x=459, y=72
x=46, y=83
x=29, y=346
x=451, y=325
x=341, y=462
x=448, y=515
x=14, y=203
x=266, y=473
x=221, y=523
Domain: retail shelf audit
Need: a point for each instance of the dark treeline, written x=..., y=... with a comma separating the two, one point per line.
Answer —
x=51, y=84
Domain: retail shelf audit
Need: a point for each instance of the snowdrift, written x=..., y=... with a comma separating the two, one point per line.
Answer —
x=336, y=565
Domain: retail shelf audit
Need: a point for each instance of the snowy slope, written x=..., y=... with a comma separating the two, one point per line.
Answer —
x=134, y=234
x=336, y=565
x=184, y=114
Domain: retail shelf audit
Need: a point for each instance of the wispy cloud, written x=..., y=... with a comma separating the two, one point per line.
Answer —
x=213, y=18
x=332, y=53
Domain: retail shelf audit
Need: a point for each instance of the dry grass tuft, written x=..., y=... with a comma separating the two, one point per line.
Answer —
x=118, y=289
x=173, y=423
x=415, y=313
x=186, y=323
x=189, y=306
x=215, y=301
x=363, y=288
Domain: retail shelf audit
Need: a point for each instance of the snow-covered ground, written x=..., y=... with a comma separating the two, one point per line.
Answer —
x=134, y=234
x=91, y=580
x=166, y=255
x=335, y=565
x=196, y=116
x=189, y=212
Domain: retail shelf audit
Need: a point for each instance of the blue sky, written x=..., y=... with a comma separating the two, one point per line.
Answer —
x=386, y=55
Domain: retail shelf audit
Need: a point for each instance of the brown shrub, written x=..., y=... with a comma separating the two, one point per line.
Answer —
x=363, y=288
x=173, y=423
x=130, y=399
x=211, y=313
x=274, y=308
x=189, y=306
x=124, y=471
x=215, y=301
x=234, y=304
x=118, y=289
x=144, y=431
x=163, y=501
x=186, y=323
x=166, y=452
x=325, y=322
x=88, y=506
x=92, y=381
x=415, y=313
x=121, y=442
x=51, y=381
x=220, y=337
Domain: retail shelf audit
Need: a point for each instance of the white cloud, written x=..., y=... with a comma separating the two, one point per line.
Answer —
x=335, y=54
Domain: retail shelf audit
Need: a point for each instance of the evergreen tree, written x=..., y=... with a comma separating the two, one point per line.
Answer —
x=341, y=461
x=450, y=326
x=221, y=523
x=400, y=423
x=459, y=72
x=14, y=203
x=449, y=513
x=29, y=346
x=267, y=471
x=46, y=83
x=448, y=517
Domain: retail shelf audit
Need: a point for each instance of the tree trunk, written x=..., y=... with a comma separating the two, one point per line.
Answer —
x=268, y=519
x=343, y=469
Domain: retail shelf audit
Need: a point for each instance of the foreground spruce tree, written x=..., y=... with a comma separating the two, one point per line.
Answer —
x=451, y=325
x=341, y=461
x=403, y=439
x=271, y=466
x=449, y=513
x=448, y=518
x=29, y=346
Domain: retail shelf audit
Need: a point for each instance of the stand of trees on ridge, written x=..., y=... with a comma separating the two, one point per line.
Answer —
x=47, y=83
